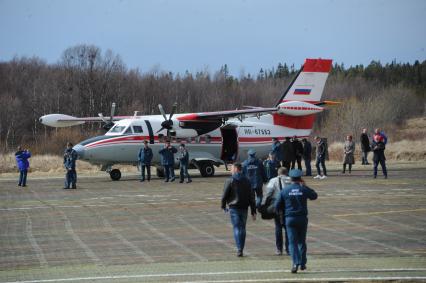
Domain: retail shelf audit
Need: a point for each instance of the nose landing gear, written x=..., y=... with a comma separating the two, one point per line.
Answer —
x=115, y=174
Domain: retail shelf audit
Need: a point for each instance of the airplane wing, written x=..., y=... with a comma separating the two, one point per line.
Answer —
x=61, y=120
x=219, y=115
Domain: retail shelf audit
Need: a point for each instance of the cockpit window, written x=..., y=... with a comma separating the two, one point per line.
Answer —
x=137, y=129
x=129, y=130
x=117, y=129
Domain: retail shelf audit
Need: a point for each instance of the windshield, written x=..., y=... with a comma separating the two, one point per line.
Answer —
x=117, y=129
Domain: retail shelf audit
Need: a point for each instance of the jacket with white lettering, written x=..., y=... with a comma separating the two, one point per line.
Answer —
x=293, y=200
x=254, y=172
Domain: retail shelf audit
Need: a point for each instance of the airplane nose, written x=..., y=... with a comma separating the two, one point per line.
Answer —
x=80, y=150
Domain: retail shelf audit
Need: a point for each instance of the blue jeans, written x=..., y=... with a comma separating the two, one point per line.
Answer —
x=308, y=167
x=169, y=172
x=148, y=171
x=321, y=160
x=70, y=178
x=383, y=164
x=23, y=177
x=279, y=226
x=259, y=195
x=239, y=220
x=184, y=172
x=296, y=229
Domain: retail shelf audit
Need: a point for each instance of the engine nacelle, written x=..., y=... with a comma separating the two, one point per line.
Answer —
x=59, y=120
x=298, y=108
x=185, y=133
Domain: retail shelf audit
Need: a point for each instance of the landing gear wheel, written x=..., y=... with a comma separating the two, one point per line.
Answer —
x=160, y=172
x=206, y=169
x=115, y=174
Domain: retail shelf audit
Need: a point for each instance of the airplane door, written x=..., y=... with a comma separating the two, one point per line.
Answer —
x=229, y=144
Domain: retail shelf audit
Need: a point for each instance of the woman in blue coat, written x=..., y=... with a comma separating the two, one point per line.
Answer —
x=23, y=164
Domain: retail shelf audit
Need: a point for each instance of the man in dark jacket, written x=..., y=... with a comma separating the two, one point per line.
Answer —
x=145, y=157
x=365, y=146
x=298, y=152
x=22, y=157
x=378, y=147
x=288, y=153
x=183, y=164
x=320, y=159
x=277, y=150
x=307, y=153
x=168, y=161
x=238, y=195
x=70, y=157
x=293, y=202
x=253, y=170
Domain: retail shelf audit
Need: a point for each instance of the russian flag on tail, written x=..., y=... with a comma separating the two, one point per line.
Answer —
x=302, y=91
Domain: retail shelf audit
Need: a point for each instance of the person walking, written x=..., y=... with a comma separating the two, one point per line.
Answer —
x=348, y=150
x=273, y=190
x=378, y=146
x=293, y=203
x=23, y=164
x=320, y=159
x=254, y=172
x=277, y=150
x=238, y=196
x=298, y=152
x=365, y=146
x=307, y=153
x=271, y=166
x=70, y=158
x=145, y=157
x=168, y=161
x=288, y=153
x=183, y=164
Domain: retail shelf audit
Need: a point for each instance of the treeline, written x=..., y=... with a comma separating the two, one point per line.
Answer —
x=86, y=81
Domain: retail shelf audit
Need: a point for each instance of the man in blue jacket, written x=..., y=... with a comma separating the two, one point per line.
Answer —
x=70, y=157
x=21, y=157
x=276, y=150
x=145, y=158
x=293, y=203
x=253, y=170
x=168, y=161
x=238, y=195
x=183, y=164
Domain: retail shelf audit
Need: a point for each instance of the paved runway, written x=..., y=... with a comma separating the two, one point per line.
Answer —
x=129, y=231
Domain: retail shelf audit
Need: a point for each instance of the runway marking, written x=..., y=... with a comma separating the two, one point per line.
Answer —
x=378, y=212
x=33, y=241
x=223, y=242
x=362, y=239
x=119, y=236
x=399, y=224
x=171, y=240
x=77, y=239
x=249, y=272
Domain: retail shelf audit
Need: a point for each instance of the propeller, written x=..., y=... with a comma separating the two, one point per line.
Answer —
x=108, y=122
x=167, y=123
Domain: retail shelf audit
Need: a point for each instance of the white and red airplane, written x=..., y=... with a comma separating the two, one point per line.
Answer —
x=212, y=138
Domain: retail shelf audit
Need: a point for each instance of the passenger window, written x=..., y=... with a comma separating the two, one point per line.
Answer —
x=129, y=130
x=137, y=129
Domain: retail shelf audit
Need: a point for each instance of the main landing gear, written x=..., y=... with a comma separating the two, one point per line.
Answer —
x=115, y=174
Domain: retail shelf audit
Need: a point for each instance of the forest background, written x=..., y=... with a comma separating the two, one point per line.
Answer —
x=85, y=81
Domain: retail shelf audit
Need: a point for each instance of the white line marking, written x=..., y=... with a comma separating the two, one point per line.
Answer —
x=338, y=279
x=247, y=272
x=171, y=240
x=33, y=241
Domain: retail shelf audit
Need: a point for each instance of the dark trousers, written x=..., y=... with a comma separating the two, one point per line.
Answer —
x=299, y=163
x=344, y=168
x=321, y=160
x=169, y=172
x=239, y=220
x=71, y=178
x=286, y=164
x=296, y=229
x=364, y=157
x=23, y=177
x=308, y=167
x=259, y=195
x=383, y=164
x=148, y=171
x=279, y=226
x=184, y=172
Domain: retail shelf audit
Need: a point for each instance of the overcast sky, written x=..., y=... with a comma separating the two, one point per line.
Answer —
x=180, y=35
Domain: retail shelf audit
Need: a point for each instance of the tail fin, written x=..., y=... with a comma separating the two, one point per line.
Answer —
x=309, y=82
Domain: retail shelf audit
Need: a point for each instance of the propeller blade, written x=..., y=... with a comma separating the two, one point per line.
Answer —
x=162, y=111
x=173, y=110
x=162, y=128
x=112, y=111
